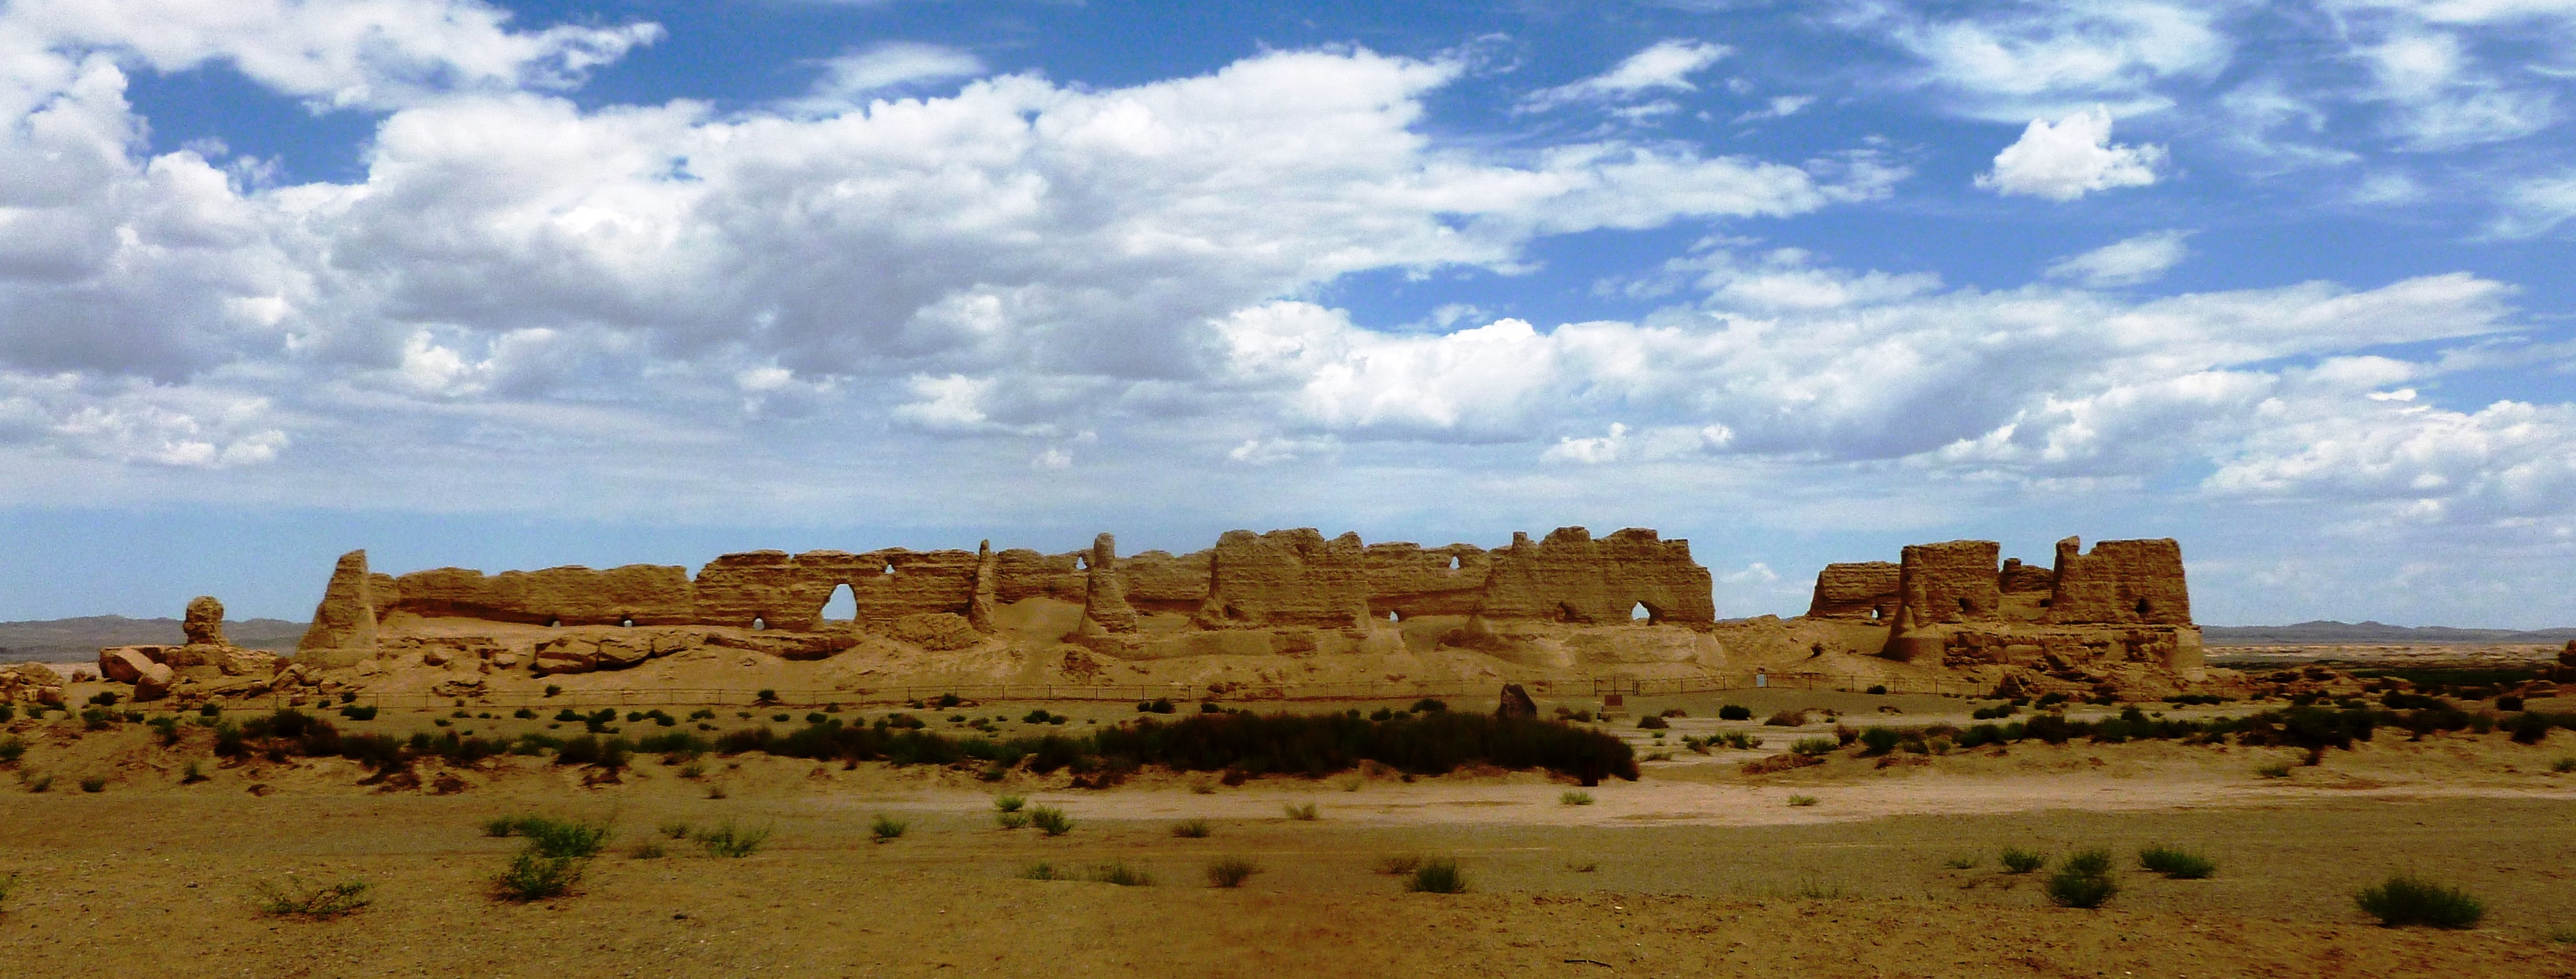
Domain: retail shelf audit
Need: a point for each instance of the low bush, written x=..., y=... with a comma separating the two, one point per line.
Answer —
x=533, y=876
x=1439, y=875
x=1011, y=820
x=2019, y=861
x=295, y=899
x=1734, y=712
x=1118, y=873
x=1781, y=762
x=1879, y=741
x=1230, y=871
x=1050, y=820
x=1302, y=813
x=2083, y=881
x=2177, y=864
x=1191, y=829
x=1574, y=798
x=886, y=829
x=1652, y=723
x=2273, y=770
x=12, y=749
x=675, y=830
x=1961, y=863
x=1043, y=871
x=1786, y=718
x=1158, y=705
x=94, y=784
x=1008, y=803
x=2405, y=900
x=1814, y=747
x=647, y=850
x=1802, y=800
x=729, y=841
x=2561, y=766
x=1877, y=690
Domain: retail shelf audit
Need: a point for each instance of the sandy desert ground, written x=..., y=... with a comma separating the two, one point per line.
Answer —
x=1695, y=869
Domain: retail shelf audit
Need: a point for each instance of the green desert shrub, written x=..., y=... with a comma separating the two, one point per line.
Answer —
x=1816, y=746
x=1011, y=820
x=2082, y=881
x=94, y=783
x=1651, y=722
x=2405, y=899
x=729, y=840
x=1802, y=800
x=533, y=876
x=1191, y=829
x=1734, y=712
x=2175, y=863
x=1439, y=875
x=560, y=837
x=887, y=829
x=1230, y=871
x=1786, y=718
x=1050, y=820
x=1305, y=812
x=647, y=850
x=1574, y=797
x=1043, y=871
x=2019, y=861
x=1008, y=803
x=296, y=899
x=1879, y=740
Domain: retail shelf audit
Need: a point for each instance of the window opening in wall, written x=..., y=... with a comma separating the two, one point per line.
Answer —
x=2043, y=603
x=554, y=623
x=1640, y=613
x=1965, y=607
x=627, y=623
x=1873, y=615
x=1453, y=562
x=1082, y=564
x=841, y=606
x=2142, y=606
x=758, y=622
x=889, y=568
x=1393, y=616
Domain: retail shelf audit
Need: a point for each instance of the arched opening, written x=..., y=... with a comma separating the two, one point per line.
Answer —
x=1965, y=606
x=1081, y=563
x=889, y=568
x=554, y=623
x=2142, y=606
x=626, y=623
x=759, y=622
x=1393, y=615
x=1873, y=615
x=1453, y=562
x=2043, y=603
x=842, y=606
x=1641, y=613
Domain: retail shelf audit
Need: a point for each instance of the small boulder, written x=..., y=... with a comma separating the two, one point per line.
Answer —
x=124, y=664
x=1516, y=703
x=153, y=683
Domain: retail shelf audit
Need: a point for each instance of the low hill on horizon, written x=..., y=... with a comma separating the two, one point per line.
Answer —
x=2329, y=631
x=79, y=639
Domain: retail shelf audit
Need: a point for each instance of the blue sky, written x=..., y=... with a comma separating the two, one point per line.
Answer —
x=513, y=285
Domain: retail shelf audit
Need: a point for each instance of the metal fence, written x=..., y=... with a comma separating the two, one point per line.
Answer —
x=1179, y=693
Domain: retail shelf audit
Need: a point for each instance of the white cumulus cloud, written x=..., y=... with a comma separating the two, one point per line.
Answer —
x=2071, y=158
x=2126, y=262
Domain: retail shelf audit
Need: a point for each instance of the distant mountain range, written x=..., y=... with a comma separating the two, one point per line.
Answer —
x=2329, y=632
x=67, y=640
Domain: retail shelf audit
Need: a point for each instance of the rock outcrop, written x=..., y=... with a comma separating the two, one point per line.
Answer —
x=1866, y=590
x=33, y=682
x=204, y=625
x=346, y=619
x=1104, y=603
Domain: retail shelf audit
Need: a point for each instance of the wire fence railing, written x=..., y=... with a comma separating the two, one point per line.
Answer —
x=1608, y=689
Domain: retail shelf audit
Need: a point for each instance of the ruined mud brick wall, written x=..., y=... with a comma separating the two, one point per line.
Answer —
x=1953, y=581
x=1869, y=590
x=2121, y=582
x=1570, y=577
x=2019, y=579
x=1408, y=579
x=1283, y=578
x=1286, y=578
x=644, y=594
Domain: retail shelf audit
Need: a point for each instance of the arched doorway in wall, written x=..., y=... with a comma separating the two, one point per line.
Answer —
x=1644, y=614
x=843, y=606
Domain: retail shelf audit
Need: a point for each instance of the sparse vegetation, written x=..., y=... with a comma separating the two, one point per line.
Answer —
x=1575, y=797
x=2405, y=899
x=647, y=850
x=1438, y=875
x=94, y=783
x=2082, y=881
x=2561, y=766
x=1191, y=829
x=1118, y=873
x=1961, y=863
x=675, y=830
x=321, y=902
x=1230, y=871
x=1008, y=803
x=1303, y=813
x=1813, y=889
x=2273, y=770
x=1050, y=820
x=730, y=841
x=1651, y=722
x=533, y=876
x=36, y=782
x=1816, y=747
x=556, y=837
x=1011, y=820
x=886, y=829
x=1397, y=864
x=1802, y=800
x=1786, y=718
x=1043, y=871
x=2019, y=861
x=2177, y=864
x=1733, y=712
